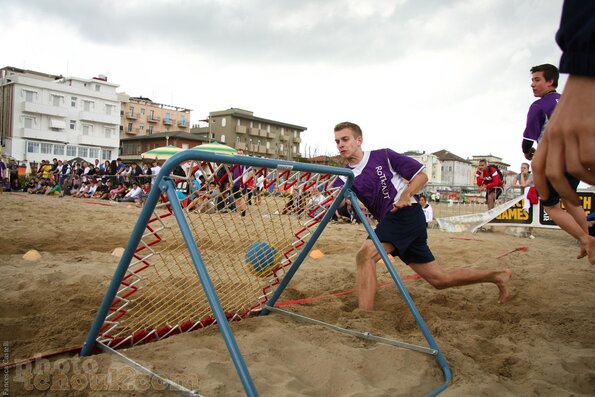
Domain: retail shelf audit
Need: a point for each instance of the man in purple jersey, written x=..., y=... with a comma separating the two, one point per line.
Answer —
x=385, y=182
x=544, y=80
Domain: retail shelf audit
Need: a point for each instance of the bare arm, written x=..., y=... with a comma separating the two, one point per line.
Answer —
x=415, y=185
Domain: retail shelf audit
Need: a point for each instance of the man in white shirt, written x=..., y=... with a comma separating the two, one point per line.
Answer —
x=133, y=194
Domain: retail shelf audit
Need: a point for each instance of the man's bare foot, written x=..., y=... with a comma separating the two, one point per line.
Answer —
x=502, y=280
x=588, y=250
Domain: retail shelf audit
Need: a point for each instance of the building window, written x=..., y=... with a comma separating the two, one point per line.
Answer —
x=131, y=110
x=142, y=126
x=238, y=122
x=106, y=154
x=83, y=152
x=29, y=95
x=59, y=150
x=151, y=115
x=222, y=138
x=280, y=147
x=32, y=147
x=268, y=128
x=167, y=117
x=87, y=129
x=183, y=121
x=71, y=151
x=109, y=109
x=223, y=121
x=28, y=122
x=149, y=130
x=45, y=148
x=238, y=140
x=73, y=124
x=94, y=152
x=87, y=106
x=73, y=100
x=142, y=111
x=56, y=100
x=251, y=124
x=97, y=87
x=129, y=126
x=108, y=132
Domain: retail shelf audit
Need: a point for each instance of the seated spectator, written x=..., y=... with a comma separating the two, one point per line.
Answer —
x=92, y=189
x=103, y=191
x=6, y=185
x=140, y=201
x=54, y=188
x=118, y=192
x=133, y=194
x=81, y=191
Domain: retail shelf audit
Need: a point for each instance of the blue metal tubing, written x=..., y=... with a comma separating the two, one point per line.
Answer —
x=412, y=308
x=209, y=289
x=294, y=267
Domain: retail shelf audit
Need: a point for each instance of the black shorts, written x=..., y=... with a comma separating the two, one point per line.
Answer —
x=406, y=230
x=497, y=190
x=554, y=196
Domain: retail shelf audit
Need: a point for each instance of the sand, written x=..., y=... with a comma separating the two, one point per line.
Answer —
x=542, y=342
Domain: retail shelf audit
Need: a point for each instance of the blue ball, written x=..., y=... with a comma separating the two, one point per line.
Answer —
x=260, y=256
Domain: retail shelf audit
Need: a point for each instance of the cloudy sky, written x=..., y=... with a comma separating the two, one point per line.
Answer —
x=415, y=75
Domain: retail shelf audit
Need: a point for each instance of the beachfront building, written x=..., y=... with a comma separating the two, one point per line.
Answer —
x=433, y=167
x=44, y=116
x=133, y=146
x=141, y=116
x=455, y=170
x=257, y=136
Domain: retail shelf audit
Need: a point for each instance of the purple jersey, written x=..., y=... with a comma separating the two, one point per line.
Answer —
x=381, y=177
x=539, y=113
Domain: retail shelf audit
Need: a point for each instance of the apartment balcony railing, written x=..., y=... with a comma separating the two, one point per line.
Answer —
x=182, y=123
x=169, y=121
x=132, y=115
x=153, y=119
x=241, y=129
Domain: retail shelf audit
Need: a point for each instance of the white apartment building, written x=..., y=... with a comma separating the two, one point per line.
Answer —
x=433, y=167
x=45, y=116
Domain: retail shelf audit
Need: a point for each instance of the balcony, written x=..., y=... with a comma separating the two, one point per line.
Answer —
x=240, y=129
x=93, y=140
x=132, y=115
x=169, y=121
x=45, y=135
x=263, y=133
x=240, y=146
x=153, y=119
x=253, y=131
x=99, y=118
x=284, y=137
x=261, y=149
x=30, y=107
x=182, y=123
x=270, y=151
x=271, y=135
x=297, y=139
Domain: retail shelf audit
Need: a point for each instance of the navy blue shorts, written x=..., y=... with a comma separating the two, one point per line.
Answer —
x=406, y=230
x=554, y=196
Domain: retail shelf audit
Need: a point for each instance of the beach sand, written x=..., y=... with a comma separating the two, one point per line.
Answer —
x=541, y=342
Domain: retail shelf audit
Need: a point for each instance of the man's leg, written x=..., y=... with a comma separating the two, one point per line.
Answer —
x=441, y=279
x=365, y=278
x=491, y=199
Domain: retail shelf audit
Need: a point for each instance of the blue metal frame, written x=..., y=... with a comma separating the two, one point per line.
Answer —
x=163, y=183
x=412, y=308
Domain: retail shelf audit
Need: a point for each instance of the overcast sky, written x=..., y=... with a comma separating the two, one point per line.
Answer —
x=415, y=75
